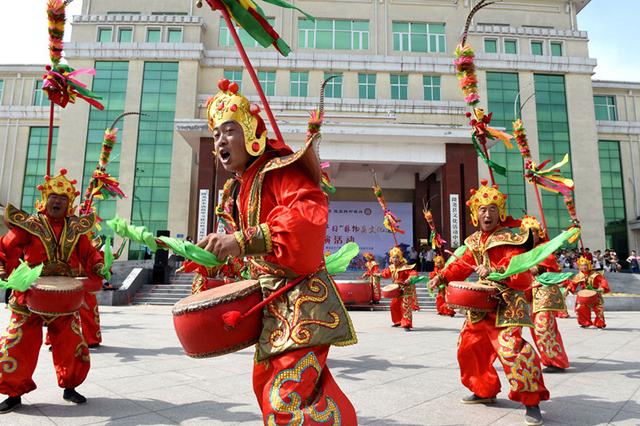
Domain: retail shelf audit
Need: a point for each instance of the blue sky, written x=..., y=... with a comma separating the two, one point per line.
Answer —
x=23, y=30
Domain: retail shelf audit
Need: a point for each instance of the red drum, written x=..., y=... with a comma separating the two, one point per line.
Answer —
x=391, y=291
x=92, y=286
x=587, y=297
x=354, y=292
x=55, y=295
x=198, y=322
x=471, y=296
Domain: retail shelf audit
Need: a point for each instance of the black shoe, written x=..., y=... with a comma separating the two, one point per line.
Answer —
x=533, y=416
x=10, y=404
x=551, y=369
x=73, y=396
x=407, y=328
x=94, y=345
x=475, y=399
x=395, y=325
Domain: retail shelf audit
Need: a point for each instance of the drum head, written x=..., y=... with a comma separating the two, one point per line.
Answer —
x=218, y=294
x=52, y=283
x=390, y=287
x=472, y=285
x=587, y=293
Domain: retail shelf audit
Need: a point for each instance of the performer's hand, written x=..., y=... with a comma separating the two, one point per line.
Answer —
x=434, y=282
x=534, y=271
x=222, y=245
x=482, y=271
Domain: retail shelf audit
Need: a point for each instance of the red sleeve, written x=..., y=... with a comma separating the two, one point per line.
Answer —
x=298, y=221
x=386, y=273
x=458, y=270
x=88, y=256
x=601, y=282
x=550, y=264
x=12, y=246
x=375, y=270
x=502, y=255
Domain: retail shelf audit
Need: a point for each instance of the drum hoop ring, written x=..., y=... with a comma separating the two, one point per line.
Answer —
x=234, y=348
x=454, y=306
x=52, y=314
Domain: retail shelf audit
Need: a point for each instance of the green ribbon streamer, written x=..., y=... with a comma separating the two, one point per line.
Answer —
x=22, y=277
x=192, y=252
x=459, y=252
x=108, y=259
x=339, y=261
x=525, y=261
x=139, y=234
x=552, y=278
x=286, y=5
x=502, y=171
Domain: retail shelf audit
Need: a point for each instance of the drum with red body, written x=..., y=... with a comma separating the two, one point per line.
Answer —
x=391, y=291
x=471, y=296
x=55, y=295
x=92, y=286
x=587, y=297
x=198, y=321
x=354, y=292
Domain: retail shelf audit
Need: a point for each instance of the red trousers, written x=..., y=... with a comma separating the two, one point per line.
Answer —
x=402, y=309
x=297, y=388
x=548, y=341
x=20, y=346
x=90, y=319
x=584, y=314
x=441, y=305
x=479, y=346
x=375, y=289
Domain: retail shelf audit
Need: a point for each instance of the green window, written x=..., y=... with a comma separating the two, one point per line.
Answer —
x=556, y=48
x=104, y=35
x=154, y=35
x=418, y=37
x=333, y=89
x=174, y=35
x=1, y=90
x=110, y=82
x=502, y=90
x=554, y=141
x=299, y=84
x=234, y=76
x=612, y=182
x=399, y=86
x=267, y=80
x=511, y=46
x=605, y=108
x=536, y=48
x=36, y=165
x=336, y=34
x=125, y=35
x=39, y=97
x=155, y=143
x=367, y=86
x=490, y=45
x=431, y=84
x=226, y=40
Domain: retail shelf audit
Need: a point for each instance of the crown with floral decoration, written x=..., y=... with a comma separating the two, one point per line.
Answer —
x=397, y=251
x=58, y=185
x=486, y=195
x=584, y=261
x=230, y=105
x=439, y=261
x=369, y=256
x=530, y=222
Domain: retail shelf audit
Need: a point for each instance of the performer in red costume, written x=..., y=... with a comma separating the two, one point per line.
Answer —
x=90, y=320
x=373, y=273
x=486, y=336
x=547, y=301
x=441, y=304
x=588, y=279
x=282, y=219
x=401, y=307
x=58, y=239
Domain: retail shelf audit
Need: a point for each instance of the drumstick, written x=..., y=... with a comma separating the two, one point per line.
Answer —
x=449, y=252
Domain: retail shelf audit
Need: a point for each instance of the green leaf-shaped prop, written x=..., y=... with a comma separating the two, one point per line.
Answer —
x=22, y=277
x=551, y=278
x=139, y=234
x=108, y=259
x=339, y=261
x=191, y=251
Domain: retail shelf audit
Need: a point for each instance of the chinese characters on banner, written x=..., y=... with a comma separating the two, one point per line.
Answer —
x=455, y=220
x=361, y=222
x=203, y=213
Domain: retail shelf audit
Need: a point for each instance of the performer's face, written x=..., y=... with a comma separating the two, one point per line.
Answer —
x=228, y=142
x=488, y=217
x=584, y=268
x=395, y=259
x=57, y=206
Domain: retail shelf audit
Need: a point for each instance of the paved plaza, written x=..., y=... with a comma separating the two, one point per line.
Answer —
x=141, y=377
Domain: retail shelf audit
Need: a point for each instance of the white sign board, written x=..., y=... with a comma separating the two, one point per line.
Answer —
x=454, y=216
x=220, y=228
x=203, y=213
x=362, y=222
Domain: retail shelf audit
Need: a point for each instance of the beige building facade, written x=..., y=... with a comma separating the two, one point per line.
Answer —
x=395, y=108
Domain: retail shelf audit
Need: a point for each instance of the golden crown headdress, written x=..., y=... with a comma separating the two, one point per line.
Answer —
x=369, y=256
x=230, y=105
x=584, y=261
x=530, y=222
x=486, y=195
x=397, y=251
x=439, y=260
x=58, y=185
